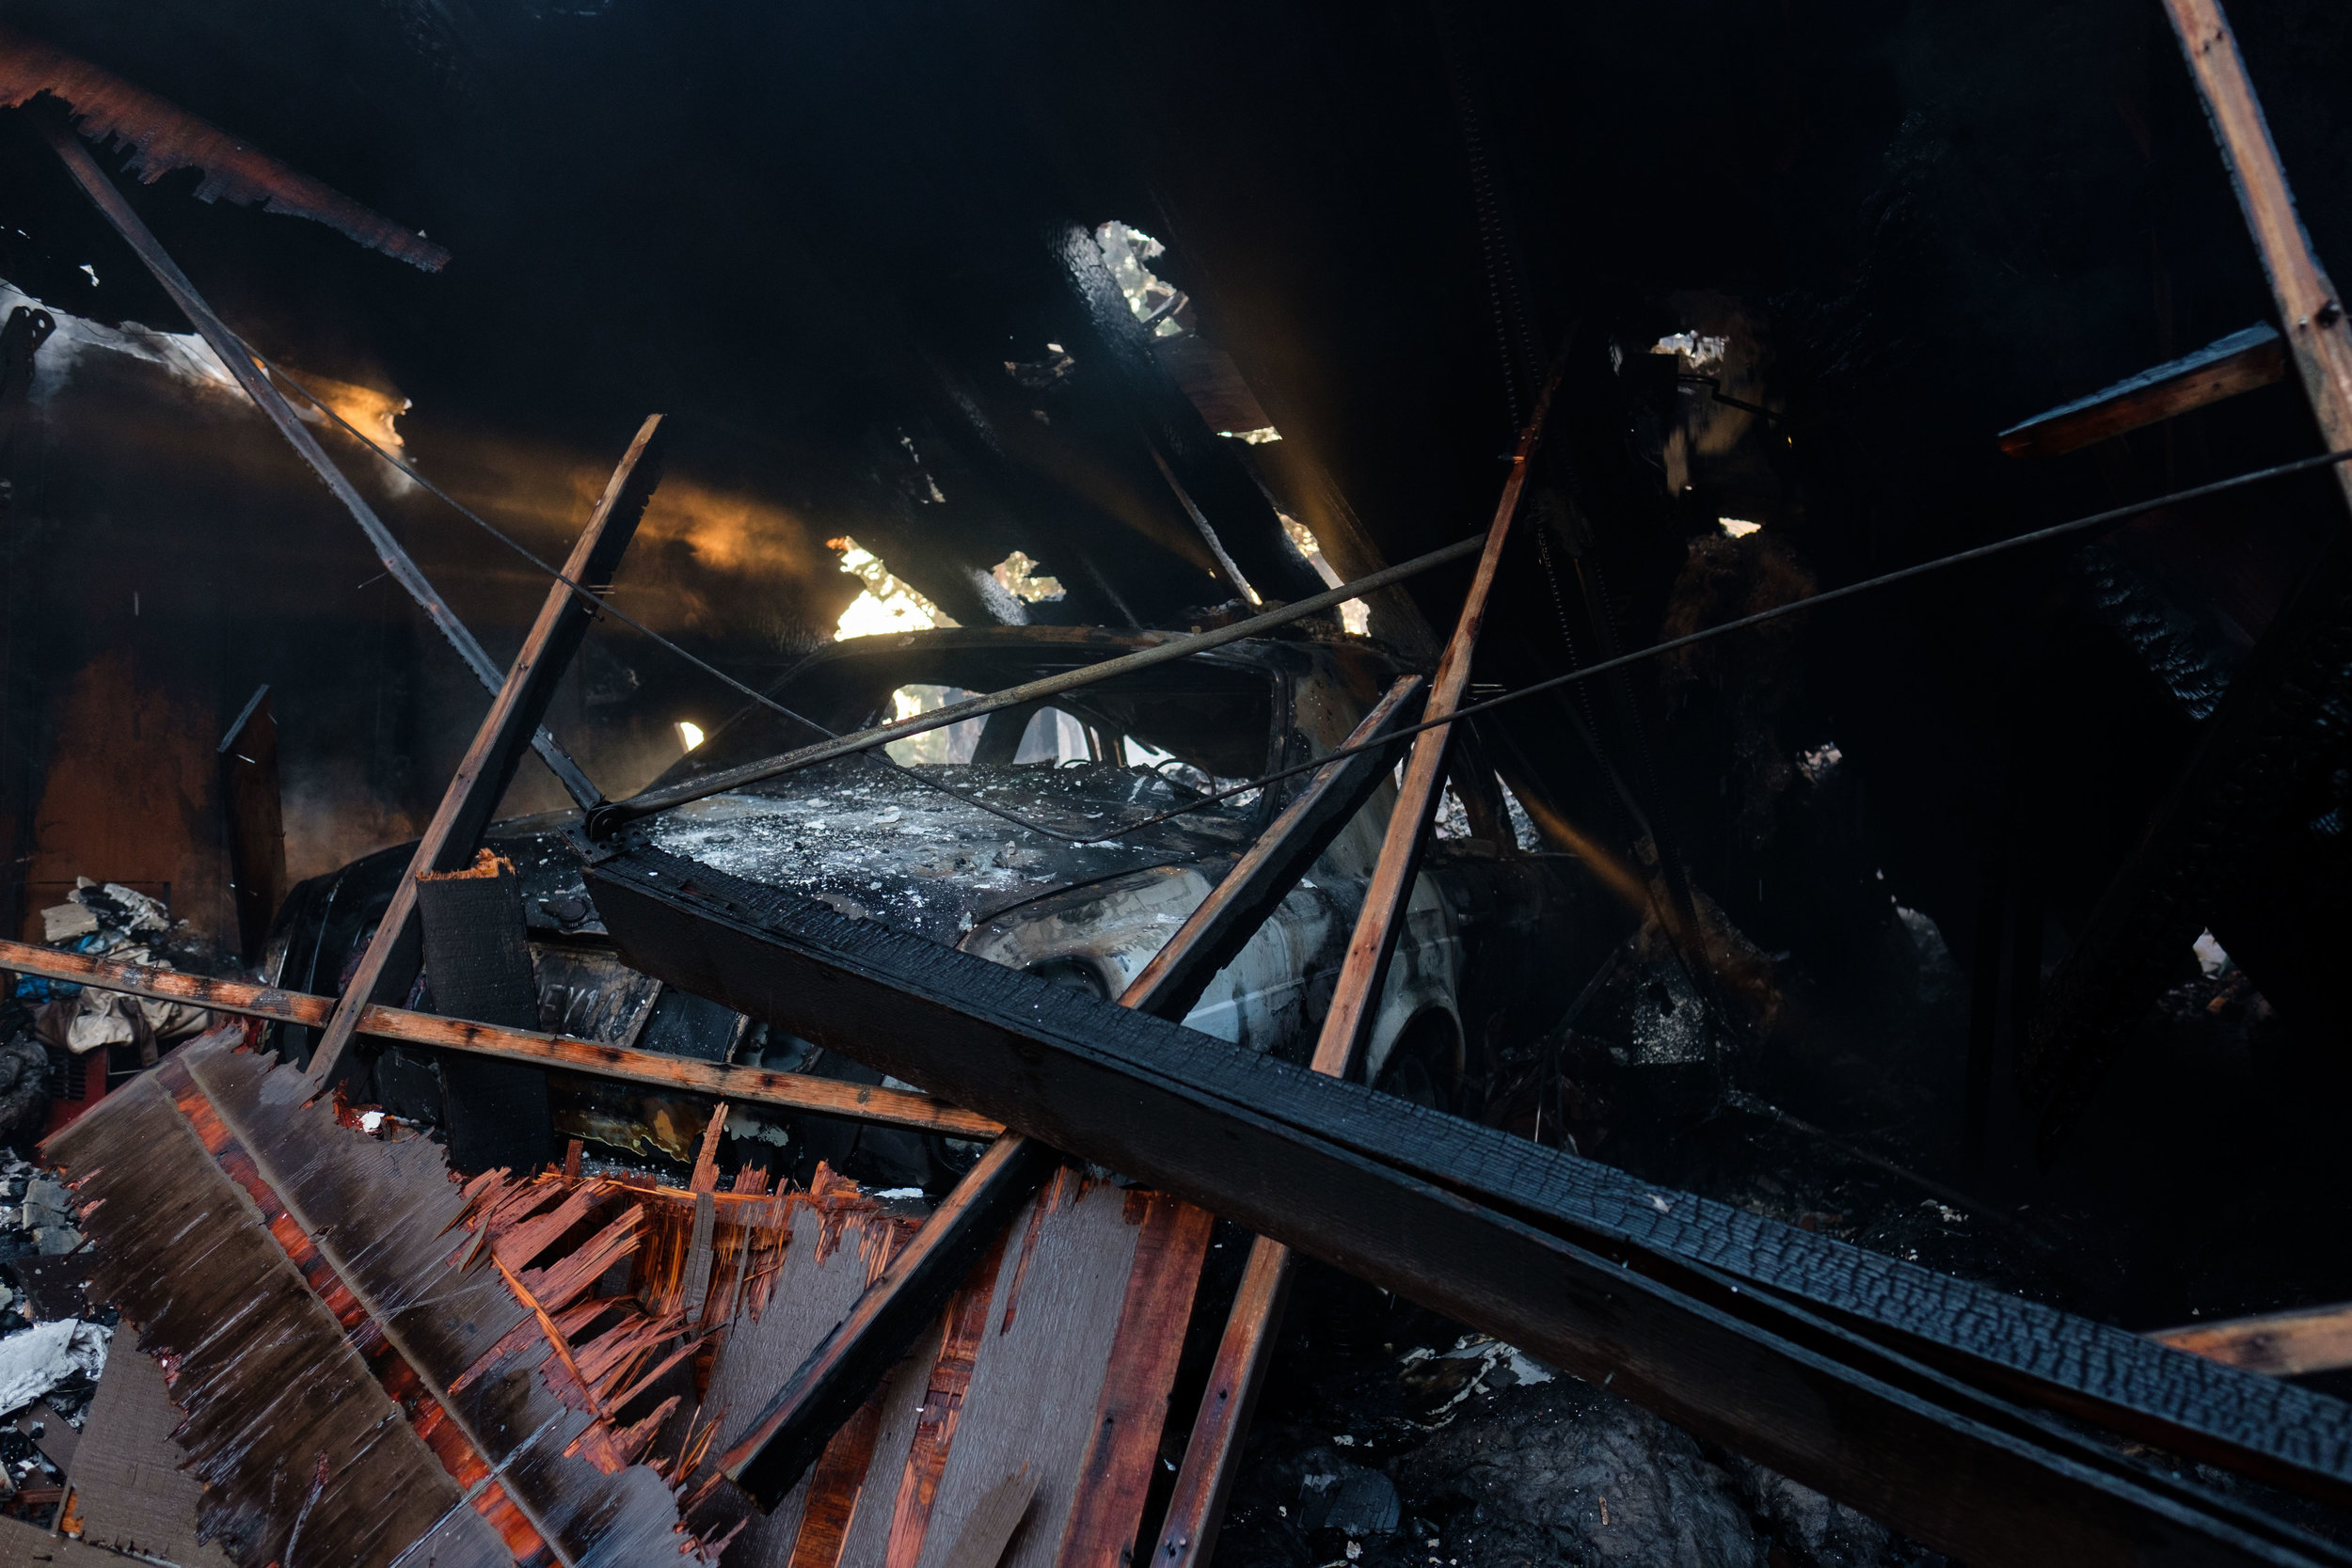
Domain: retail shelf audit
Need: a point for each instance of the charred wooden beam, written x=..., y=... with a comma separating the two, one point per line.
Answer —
x=1921, y=1399
x=2289, y=708
x=238, y=360
x=389, y=963
x=162, y=136
x=2241, y=362
x=2282, y=1344
x=478, y=952
x=787, y=1091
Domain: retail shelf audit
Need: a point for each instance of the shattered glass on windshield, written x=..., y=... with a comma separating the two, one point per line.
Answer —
x=874, y=844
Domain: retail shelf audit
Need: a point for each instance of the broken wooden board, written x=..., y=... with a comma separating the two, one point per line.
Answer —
x=2241, y=362
x=1810, y=1355
x=163, y=137
x=595, y=1059
x=355, y=1373
x=534, y=1369
x=1047, y=1365
x=126, y=1484
x=2279, y=1344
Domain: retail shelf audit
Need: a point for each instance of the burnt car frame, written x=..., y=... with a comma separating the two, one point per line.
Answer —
x=1001, y=836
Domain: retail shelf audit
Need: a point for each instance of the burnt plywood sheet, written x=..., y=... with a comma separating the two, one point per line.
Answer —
x=130, y=1489
x=23, y=1546
x=374, y=1361
x=1051, y=1317
x=1019, y=1380
x=356, y=1377
x=827, y=1264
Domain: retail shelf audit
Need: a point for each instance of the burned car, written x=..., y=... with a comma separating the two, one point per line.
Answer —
x=1038, y=837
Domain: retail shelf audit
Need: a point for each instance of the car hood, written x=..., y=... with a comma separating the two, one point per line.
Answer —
x=878, y=843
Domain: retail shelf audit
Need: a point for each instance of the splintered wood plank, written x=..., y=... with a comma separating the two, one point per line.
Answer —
x=2241, y=362
x=826, y=1266
x=598, y=1059
x=431, y=1390
x=192, y=1264
x=812, y=1525
x=1115, y=1474
x=1053, y=1317
x=766, y=1456
x=942, y=1413
x=865, y=1540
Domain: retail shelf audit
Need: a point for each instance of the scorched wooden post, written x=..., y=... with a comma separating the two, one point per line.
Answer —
x=488, y=767
x=1188, y=1533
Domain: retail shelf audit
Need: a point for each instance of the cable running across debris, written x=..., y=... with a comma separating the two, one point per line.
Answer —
x=607, y=606
x=1962, y=558
x=2055, y=531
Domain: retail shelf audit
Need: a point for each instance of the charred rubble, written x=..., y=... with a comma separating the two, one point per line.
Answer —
x=1452, y=786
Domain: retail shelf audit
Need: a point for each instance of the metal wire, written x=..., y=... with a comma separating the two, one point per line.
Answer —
x=1887, y=580
x=607, y=606
x=2055, y=531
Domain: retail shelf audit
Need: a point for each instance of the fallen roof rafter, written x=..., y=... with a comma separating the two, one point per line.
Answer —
x=787, y=1091
x=162, y=136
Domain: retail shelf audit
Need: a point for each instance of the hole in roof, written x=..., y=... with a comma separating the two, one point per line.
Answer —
x=1127, y=252
x=886, y=604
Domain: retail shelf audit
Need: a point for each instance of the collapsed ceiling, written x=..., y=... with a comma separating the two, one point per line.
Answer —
x=2029, y=872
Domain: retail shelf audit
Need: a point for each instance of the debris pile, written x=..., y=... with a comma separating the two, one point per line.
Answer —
x=1104, y=1059
x=56, y=1033
x=53, y=1343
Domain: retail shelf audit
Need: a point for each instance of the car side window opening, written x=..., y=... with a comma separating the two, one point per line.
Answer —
x=1045, y=733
